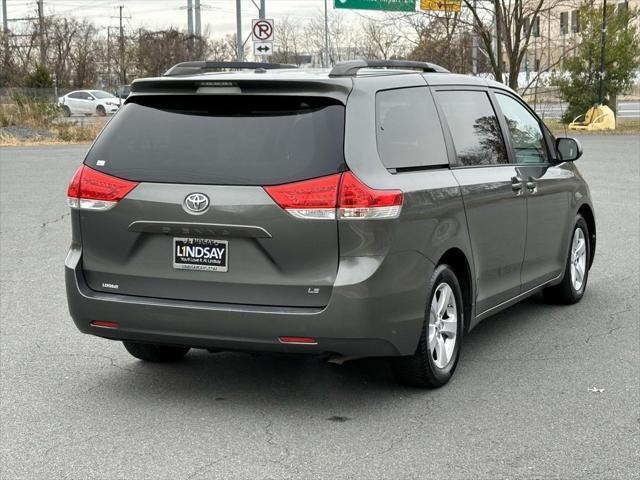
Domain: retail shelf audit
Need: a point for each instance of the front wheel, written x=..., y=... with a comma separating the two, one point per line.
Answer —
x=155, y=353
x=435, y=359
x=576, y=271
x=101, y=111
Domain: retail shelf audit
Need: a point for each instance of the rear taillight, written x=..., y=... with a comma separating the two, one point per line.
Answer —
x=312, y=199
x=93, y=190
x=357, y=201
x=340, y=196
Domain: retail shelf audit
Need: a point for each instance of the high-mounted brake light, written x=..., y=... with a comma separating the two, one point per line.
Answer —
x=93, y=190
x=341, y=196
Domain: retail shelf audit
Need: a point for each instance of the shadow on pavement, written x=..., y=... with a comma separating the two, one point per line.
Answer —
x=254, y=381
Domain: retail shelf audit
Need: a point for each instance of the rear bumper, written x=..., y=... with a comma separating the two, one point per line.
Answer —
x=376, y=309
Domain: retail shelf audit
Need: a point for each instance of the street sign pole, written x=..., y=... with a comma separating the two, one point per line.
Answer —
x=602, y=44
x=326, y=35
x=239, y=42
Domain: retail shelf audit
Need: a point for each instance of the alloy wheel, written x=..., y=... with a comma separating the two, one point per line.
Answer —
x=578, y=260
x=443, y=325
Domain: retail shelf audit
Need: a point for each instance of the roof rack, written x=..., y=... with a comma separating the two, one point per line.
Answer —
x=351, y=67
x=191, y=68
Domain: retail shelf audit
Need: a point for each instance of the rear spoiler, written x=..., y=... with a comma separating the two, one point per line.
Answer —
x=194, y=68
x=337, y=89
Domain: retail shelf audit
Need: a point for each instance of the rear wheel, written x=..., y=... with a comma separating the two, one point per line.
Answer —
x=155, y=353
x=101, y=111
x=66, y=111
x=436, y=357
x=576, y=271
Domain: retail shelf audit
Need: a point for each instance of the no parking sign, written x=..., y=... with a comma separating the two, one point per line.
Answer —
x=262, y=30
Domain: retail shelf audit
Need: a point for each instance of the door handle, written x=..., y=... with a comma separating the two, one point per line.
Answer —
x=516, y=185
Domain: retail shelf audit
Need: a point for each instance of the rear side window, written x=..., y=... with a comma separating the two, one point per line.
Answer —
x=222, y=140
x=474, y=127
x=408, y=129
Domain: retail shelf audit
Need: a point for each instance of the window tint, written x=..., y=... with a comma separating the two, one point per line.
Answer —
x=526, y=136
x=408, y=129
x=77, y=95
x=474, y=127
x=221, y=140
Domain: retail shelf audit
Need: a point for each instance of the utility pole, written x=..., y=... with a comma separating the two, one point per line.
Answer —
x=239, y=42
x=326, y=35
x=109, y=82
x=603, y=40
x=198, y=24
x=474, y=44
x=190, y=17
x=5, y=21
x=43, y=51
x=123, y=73
x=5, y=36
x=498, y=13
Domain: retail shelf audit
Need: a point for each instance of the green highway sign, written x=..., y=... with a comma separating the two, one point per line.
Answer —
x=389, y=5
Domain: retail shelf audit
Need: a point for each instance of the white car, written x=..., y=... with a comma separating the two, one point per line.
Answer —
x=89, y=102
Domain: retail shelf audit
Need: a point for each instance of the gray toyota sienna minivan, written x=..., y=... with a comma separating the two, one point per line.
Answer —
x=383, y=208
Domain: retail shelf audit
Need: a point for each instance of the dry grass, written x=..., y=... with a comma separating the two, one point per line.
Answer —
x=624, y=127
x=74, y=132
x=28, y=112
x=59, y=133
x=36, y=121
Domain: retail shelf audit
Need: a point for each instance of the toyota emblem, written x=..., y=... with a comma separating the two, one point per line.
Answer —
x=196, y=203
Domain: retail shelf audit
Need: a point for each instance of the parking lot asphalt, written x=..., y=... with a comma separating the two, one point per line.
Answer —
x=521, y=404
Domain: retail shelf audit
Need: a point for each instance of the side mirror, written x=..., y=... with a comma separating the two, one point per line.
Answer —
x=569, y=149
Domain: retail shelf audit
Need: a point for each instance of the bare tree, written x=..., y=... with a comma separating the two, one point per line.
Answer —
x=60, y=37
x=287, y=36
x=85, y=55
x=221, y=49
x=158, y=51
x=381, y=39
x=512, y=23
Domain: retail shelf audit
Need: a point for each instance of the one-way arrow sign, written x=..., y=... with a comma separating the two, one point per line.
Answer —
x=262, y=49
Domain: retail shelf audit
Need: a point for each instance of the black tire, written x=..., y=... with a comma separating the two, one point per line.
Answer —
x=565, y=292
x=420, y=369
x=101, y=111
x=155, y=353
x=66, y=111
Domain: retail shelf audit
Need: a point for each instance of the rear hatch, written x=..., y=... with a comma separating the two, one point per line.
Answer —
x=183, y=151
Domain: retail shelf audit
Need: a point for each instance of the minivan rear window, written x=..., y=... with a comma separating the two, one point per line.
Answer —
x=222, y=140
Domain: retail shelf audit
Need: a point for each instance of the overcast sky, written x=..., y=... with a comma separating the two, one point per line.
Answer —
x=218, y=15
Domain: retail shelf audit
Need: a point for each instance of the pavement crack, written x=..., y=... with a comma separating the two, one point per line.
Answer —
x=55, y=220
x=205, y=467
x=270, y=441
